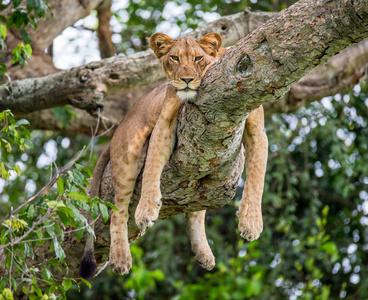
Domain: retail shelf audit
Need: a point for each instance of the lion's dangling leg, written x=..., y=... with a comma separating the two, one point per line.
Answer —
x=125, y=170
x=256, y=151
x=160, y=148
x=197, y=235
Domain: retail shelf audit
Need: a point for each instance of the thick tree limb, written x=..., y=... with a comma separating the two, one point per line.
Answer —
x=340, y=74
x=85, y=87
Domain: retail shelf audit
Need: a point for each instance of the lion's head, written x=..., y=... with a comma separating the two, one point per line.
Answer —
x=185, y=60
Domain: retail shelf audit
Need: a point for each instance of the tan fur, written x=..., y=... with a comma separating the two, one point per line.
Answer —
x=256, y=152
x=185, y=61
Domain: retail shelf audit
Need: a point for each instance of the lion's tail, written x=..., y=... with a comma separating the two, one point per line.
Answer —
x=88, y=266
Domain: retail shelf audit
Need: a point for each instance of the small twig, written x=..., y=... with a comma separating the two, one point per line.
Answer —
x=56, y=167
x=94, y=133
x=12, y=246
x=20, y=266
x=50, y=238
x=17, y=240
x=106, y=131
x=98, y=122
x=6, y=124
x=51, y=171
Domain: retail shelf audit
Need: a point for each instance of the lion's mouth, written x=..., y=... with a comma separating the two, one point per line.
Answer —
x=186, y=93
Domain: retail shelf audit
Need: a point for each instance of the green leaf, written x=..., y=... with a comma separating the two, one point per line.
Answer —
x=66, y=210
x=28, y=143
x=16, y=3
x=79, y=234
x=2, y=31
x=22, y=122
x=112, y=206
x=78, y=196
x=7, y=293
x=60, y=186
x=35, y=287
x=67, y=283
x=17, y=169
x=87, y=283
x=31, y=212
x=104, y=212
x=3, y=68
x=63, y=218
x=55, y=204
x=60, y=254
x=40, y=8
x=85, y=169
x=27, y=50
x=330, y=247
x=25, y=36
x=94, y=211
x=30, y=5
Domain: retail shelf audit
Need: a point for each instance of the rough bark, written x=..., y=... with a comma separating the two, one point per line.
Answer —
x=340, y=74
x=85, y=87
x=104, y=33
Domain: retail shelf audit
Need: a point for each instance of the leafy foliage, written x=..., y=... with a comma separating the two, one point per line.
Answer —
x=138, y=19
x=13, y=134
x=42, y=221
x=20, y=17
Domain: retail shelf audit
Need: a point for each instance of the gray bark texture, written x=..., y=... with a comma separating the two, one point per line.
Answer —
x=342, y=72
x=85, y=87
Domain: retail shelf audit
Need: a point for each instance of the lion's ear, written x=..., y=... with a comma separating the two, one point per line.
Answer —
x=160, y=43
x=211, y=43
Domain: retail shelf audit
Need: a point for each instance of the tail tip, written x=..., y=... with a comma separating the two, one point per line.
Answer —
x=88, y=266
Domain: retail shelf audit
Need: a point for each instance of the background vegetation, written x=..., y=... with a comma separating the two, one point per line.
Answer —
x=315, y=205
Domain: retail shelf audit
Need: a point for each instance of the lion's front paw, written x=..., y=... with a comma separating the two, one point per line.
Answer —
x=147, y=211
x=206, y=260
x=250, y=225
x=120, y=259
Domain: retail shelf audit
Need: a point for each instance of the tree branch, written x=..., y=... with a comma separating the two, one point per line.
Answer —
x=85, y=87
x=104, y=33
x=340, y=74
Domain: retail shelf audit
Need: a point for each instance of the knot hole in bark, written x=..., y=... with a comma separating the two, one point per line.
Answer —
x=114, y=76
x=85, y=76
x=245, y=66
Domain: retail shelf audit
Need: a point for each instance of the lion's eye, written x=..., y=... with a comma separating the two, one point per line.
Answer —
x=173, y=57
x=198, y=58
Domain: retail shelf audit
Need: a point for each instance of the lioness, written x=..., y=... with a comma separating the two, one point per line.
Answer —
x=185, y=61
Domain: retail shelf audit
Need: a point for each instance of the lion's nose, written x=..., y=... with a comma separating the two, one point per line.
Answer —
x=187, y=80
